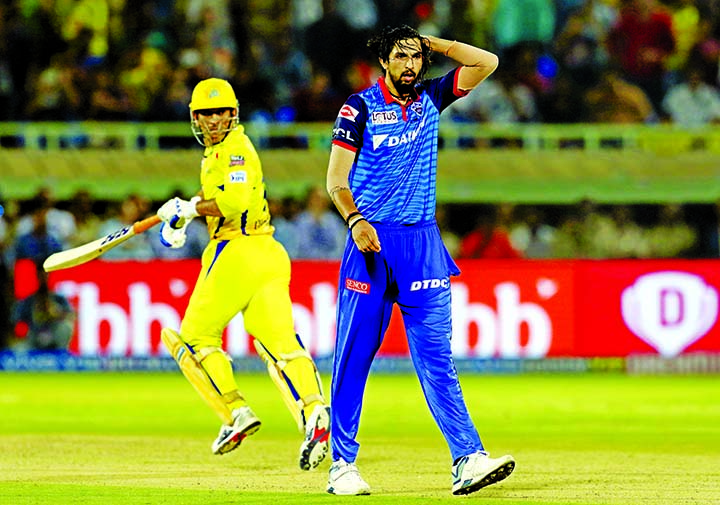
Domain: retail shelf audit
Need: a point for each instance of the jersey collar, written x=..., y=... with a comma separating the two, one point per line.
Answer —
x=389, y=98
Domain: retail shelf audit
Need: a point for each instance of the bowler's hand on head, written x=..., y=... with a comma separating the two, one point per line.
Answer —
x=365, y=237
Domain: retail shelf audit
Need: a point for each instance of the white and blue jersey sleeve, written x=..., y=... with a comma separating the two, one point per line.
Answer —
x=393, y=178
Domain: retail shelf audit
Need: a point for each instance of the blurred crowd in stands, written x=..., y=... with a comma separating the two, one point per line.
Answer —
x=562, y=61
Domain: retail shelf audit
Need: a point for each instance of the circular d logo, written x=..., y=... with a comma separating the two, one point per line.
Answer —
x=669, y=310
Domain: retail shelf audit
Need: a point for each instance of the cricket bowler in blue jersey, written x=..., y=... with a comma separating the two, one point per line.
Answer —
x=382, y=178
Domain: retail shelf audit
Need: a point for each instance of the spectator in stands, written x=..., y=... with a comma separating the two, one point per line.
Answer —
x=55, y=94
x=177, y=94
x=287, y=67
x=6, y=293
x=705, y=53
x=532, y=235
x=132, y=209
x=640, y=43
x=361, y=15
x=672, y=236
x=87, y=220
x=318, y=101
x=624, y=238
x=527, y=22
x=582, y=233
x=562, y=102
x=488, y=239
x=321, y=232
x=283, y=212
x=692, y=102
x=579, y=46
x=501, y=99
x=212, y=29
x=145, y=80
x=569, y=239
x=331, y=44
x=88, y=18
x=33, y=239
x=45, y=319
x=614, y=100
x=108, y=101
x=59, y=223
x=685, y=17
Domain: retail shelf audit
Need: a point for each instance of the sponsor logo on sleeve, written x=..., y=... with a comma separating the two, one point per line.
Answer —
x=348, y=112
x=238, y=176
x=357, y=286
x=236, y=160
x=342, y=134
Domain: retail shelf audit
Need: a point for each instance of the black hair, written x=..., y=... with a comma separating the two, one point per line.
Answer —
x=382, y=44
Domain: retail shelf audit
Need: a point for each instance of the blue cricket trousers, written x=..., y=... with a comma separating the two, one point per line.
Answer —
x=413, y=269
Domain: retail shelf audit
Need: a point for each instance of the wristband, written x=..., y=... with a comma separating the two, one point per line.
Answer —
x=352, y=214
x=193, y=205
x=356, y=222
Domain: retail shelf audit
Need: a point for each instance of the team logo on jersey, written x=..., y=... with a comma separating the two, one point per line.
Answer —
x=417, y=108
x=384, y=117
x=236, y=160
x=239, y=176
x=348, y=112
x=357, y=286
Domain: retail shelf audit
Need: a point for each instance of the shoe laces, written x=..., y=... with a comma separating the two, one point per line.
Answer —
x=342, y=467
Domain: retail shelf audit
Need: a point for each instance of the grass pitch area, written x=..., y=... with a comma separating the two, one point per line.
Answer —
x=145, y=438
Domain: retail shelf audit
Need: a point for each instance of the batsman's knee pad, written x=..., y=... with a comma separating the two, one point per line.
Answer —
x=290, y=395
x=190, y=364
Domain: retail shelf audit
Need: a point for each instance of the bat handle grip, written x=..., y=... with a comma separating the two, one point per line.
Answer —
x=145, y=224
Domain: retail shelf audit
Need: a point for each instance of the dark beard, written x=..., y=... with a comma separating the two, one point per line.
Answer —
x=404, y=89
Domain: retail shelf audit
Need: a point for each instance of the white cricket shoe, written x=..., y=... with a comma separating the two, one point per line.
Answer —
x=317, y=437
x=345, y=479
x=477, y=470
x=245, y=423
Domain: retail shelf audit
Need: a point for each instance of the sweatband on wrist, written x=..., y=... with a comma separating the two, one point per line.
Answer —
x=352, y=214
x=356, y=222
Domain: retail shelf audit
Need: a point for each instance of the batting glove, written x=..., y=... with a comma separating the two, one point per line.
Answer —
x=172, y=237
x=176, y=212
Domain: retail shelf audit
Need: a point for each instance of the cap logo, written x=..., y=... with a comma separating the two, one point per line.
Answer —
x=214, y=93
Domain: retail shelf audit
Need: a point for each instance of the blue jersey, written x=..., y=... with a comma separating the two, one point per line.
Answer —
x=393, y=178
x=393, y=181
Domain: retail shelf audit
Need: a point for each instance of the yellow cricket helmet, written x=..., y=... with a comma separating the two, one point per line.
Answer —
x=212, y=93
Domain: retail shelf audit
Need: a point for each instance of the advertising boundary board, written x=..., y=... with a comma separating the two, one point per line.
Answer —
x=688, y=364
x=641, y=313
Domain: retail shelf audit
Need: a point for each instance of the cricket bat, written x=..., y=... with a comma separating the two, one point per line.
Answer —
x=91, y=250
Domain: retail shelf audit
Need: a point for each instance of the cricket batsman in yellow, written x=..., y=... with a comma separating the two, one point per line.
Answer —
x=244, y=269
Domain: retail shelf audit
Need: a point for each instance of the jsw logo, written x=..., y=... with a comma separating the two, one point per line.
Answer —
x=429, y=283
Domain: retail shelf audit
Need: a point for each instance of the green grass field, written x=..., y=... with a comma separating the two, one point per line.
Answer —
x=140, y=438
